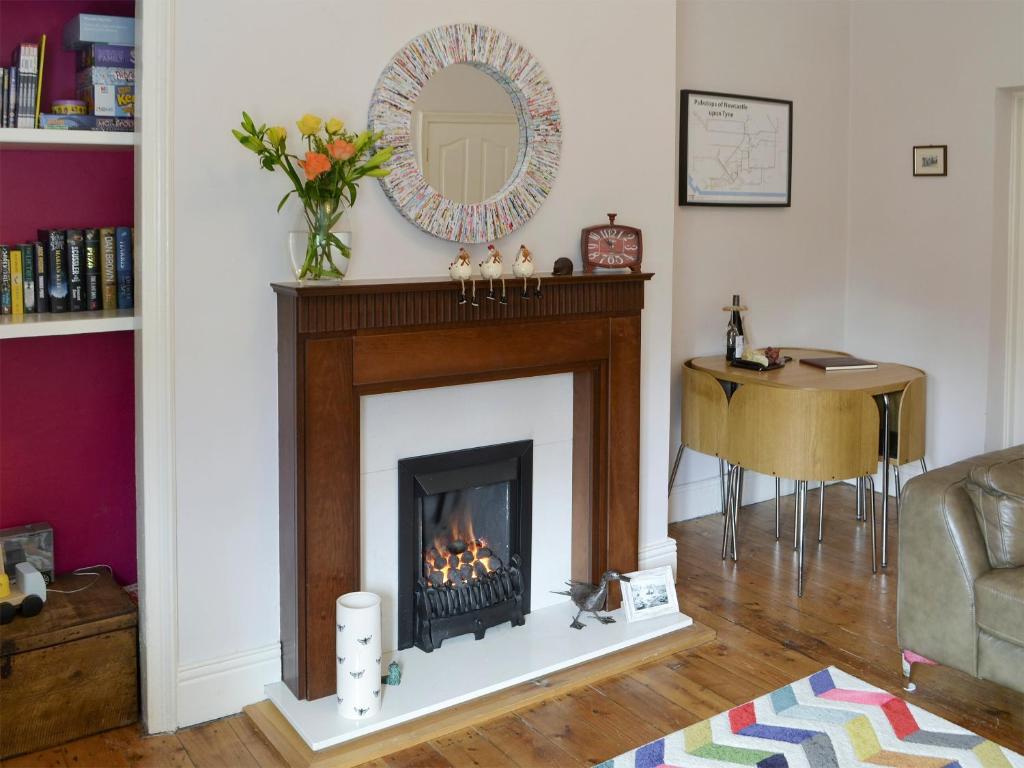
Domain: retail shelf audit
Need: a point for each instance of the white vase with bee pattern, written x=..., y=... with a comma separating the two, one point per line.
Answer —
x=358, y=655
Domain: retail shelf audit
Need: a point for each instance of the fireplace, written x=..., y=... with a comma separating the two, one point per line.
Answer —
x=463, y=542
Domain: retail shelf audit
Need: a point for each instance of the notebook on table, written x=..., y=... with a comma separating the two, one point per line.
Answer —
x=839, y=363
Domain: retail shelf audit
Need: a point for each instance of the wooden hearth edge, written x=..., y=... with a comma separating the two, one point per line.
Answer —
x=297, y=754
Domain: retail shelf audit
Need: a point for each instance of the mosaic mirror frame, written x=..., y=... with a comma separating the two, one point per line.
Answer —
x=540, y=132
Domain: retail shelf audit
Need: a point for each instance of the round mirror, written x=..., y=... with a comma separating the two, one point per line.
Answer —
x=476, y=131
x=465, y=134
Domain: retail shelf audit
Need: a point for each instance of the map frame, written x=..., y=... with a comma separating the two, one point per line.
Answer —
x=687, y=160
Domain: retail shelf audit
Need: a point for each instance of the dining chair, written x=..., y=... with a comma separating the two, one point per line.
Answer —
x=704, y=417
x=804, y=435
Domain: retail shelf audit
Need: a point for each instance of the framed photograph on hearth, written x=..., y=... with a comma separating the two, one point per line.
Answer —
x=649, y=593
x=735, y=150
x=930, y=160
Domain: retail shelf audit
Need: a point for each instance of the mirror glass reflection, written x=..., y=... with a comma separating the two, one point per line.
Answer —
x=465, y=133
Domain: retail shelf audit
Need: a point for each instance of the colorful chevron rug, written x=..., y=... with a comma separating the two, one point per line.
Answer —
x=830, y=719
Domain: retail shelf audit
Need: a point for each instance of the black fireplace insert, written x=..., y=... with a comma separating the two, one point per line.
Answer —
x=464, y=528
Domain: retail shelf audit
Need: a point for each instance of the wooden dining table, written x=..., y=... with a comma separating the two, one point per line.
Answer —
x=882, y=383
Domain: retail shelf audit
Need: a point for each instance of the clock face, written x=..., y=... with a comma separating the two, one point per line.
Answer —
x=612, y=247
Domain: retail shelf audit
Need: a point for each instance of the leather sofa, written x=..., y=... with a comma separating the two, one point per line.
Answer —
x=961, y=567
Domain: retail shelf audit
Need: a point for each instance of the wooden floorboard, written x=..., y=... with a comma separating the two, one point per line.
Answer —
x=767, y=637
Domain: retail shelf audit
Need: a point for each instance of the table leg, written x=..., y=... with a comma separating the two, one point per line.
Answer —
x=885, y=480
x=721, y=482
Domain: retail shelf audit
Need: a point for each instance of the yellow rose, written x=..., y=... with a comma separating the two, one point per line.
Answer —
x=334, y=125
x=309, y=124
x=277, y=135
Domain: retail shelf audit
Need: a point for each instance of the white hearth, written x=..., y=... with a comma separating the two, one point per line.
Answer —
x=463, y=669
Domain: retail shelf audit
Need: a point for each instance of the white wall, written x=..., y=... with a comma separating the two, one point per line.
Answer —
x=926, y=267
x=277, y=60
x=787, y=264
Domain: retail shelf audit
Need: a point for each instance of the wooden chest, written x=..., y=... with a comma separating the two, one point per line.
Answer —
x=72, y=670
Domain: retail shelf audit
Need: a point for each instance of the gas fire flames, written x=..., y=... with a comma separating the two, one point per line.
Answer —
x=465, y=558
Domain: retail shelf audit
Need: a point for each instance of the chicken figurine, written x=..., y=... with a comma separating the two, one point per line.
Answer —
x=462, y=270
x=523, y=267
x=490, y=269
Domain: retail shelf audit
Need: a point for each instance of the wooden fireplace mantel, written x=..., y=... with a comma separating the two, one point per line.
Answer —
x=338, y=341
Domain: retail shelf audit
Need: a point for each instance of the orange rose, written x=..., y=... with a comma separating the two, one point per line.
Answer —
x=314, y=165
x=341, y=149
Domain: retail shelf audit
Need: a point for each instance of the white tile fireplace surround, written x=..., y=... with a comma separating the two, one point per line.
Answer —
x=420, y=422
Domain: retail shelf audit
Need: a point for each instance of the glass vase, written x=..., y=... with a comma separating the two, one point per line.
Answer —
x=319, y=252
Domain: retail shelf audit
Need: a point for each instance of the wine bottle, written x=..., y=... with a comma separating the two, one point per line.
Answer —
x=730, y=341
x=737, y=319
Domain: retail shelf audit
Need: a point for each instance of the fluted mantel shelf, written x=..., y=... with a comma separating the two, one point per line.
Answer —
x=348, y=305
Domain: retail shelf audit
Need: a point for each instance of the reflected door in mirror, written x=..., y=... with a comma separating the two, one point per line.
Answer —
x=469, y=157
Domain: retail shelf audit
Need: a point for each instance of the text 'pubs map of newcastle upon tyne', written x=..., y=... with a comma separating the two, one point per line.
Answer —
x=737, y=151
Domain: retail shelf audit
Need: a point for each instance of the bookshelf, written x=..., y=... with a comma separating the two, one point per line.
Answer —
x=67, y=323
x=69, y=458
x=41, y=139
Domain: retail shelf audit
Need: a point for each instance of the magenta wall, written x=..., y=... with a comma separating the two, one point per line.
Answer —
x=67, y=403
x=67, y=445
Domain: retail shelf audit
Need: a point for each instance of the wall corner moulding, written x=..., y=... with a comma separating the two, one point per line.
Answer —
x=537, y=110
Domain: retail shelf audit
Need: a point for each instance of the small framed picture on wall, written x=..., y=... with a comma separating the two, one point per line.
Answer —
x=930, y=160
x=649, y=593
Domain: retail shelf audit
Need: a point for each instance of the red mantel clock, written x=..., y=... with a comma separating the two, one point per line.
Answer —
x=611, y=246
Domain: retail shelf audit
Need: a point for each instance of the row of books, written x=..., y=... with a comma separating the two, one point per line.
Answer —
x=69, y=270
x=22, y=85
x=104, y=86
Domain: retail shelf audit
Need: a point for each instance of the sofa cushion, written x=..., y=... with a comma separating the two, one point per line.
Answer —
x=997, y=489
x=999, y=597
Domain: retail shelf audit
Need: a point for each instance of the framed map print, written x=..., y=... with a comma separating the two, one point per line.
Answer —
x=734, y=150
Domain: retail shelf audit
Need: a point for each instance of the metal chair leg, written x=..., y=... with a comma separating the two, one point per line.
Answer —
x=778, y=486
x=796, y=515
x=727, y=517
x=721, y=481
x=675, y=467
x=802, y=506
x=739, y=498
x=899, y=490
x=821, y=511
x=874, y=554
x=860, y=498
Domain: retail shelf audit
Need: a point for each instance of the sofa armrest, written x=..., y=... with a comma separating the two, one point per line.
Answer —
x=941, y=553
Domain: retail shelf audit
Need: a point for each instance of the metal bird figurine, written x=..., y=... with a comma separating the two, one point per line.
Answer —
x=394, y=675
x=591, y=598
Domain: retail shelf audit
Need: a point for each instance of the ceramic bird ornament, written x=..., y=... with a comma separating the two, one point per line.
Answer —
x=394, y=675
x=523, y=267
x=591, y=598
x=462, y=270
x=490, y=269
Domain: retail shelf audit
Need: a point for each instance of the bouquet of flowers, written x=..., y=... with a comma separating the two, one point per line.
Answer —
x=326, y=180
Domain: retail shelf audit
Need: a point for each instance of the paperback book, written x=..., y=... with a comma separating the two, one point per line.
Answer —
x=42, y=289
x=93, y=298
x=76, y=270
x=5, y=279
x=56, y=268
x=125, y=268
x=108, y=268
x=28, y=271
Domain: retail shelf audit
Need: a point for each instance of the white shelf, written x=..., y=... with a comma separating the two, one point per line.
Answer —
x=67, y=323
x=44, y=138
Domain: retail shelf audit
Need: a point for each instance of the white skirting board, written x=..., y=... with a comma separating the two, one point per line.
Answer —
x=464, y=669
x=657, y=554
x=221, y=687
